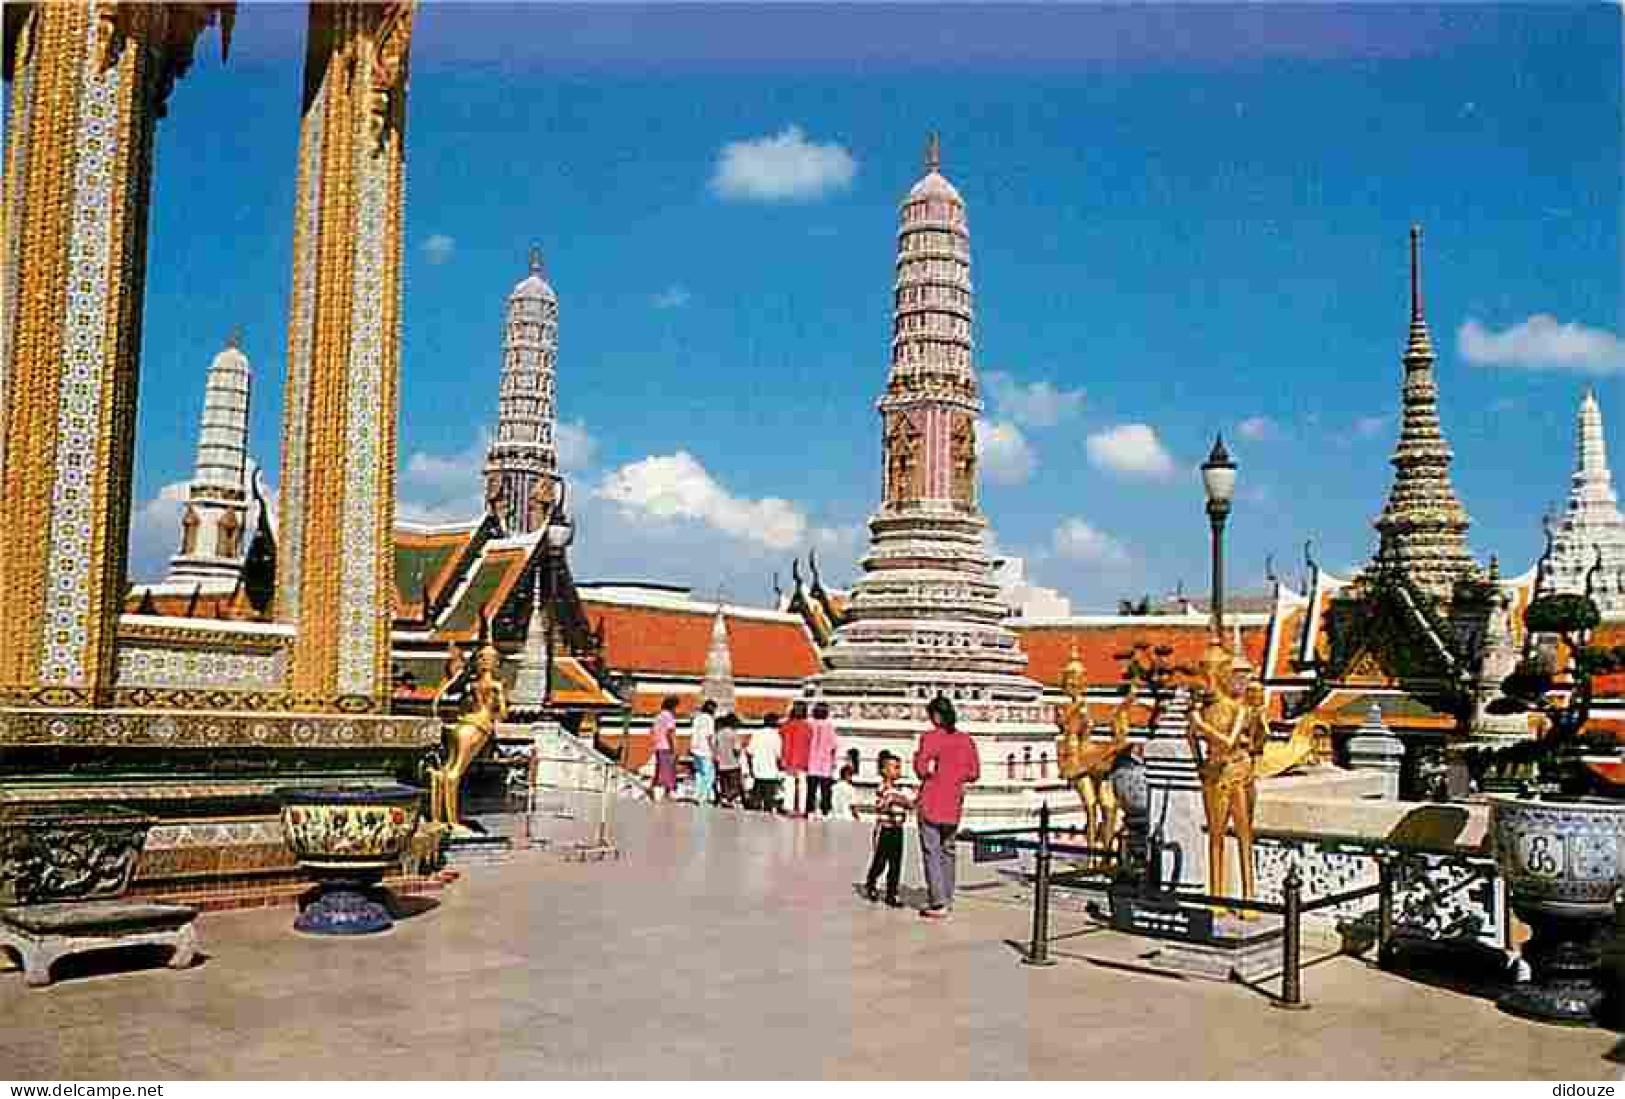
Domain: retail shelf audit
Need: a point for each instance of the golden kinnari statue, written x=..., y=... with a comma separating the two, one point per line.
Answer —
x=485, y=703
x=1227, y=734
x=1085, y=763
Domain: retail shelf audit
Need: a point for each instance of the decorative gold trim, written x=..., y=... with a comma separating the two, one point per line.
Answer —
x=121, y=728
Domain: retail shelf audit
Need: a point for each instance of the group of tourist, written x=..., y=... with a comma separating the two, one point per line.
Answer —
x=791, y=768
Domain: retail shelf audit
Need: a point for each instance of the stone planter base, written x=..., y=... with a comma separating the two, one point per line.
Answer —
x=343, y=907
x=41, y=934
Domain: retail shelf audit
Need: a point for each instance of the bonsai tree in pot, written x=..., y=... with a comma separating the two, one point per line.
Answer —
x=1559, y=845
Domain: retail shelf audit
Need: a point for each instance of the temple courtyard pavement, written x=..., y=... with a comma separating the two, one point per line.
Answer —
x=732, y=946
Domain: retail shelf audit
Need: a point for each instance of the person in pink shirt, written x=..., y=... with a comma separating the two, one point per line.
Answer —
x=822, y=748
x=663, y=738
x=946, y=762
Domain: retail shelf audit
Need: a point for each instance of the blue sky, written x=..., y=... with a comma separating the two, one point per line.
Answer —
x=1184, y=219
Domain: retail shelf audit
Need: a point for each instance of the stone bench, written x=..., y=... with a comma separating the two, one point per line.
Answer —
x=43, y=933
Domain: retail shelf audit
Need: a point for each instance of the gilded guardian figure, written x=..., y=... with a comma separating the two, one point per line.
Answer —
x=1227, y=732
x=485, y=704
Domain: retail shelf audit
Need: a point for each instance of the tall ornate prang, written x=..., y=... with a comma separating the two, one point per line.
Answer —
x=338, y=470
x=1591, y=523
x=88, y=83
x=1423, y=527
x=215, y=525
x=520, y=470
x=926, y=617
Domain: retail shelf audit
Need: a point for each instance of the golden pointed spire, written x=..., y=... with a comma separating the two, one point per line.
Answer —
x=933, y=152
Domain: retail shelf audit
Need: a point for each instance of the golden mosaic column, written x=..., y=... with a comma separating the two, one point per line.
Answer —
x=335, y=567
x=88, y=82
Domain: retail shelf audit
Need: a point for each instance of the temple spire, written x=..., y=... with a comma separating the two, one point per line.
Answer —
x=522, y=465
x=1416, y=273
x=1591, y=521
x=1423, y=526
x=718, y=685
x=933, y=152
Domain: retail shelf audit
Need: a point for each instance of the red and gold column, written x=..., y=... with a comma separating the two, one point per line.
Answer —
x=335, y=564
x=88, y=83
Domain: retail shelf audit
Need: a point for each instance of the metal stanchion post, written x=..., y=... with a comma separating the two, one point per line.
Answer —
x=1385, y=910
x=1038, y=949
x=1291, y=945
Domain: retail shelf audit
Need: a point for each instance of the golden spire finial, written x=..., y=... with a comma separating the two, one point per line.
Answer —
x=1416, y=272
x=933, y=152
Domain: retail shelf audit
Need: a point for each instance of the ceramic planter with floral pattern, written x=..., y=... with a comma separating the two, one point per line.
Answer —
x=348, y=836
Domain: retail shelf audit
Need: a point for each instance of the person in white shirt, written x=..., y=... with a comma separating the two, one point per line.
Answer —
x=763, y=753
x=701, y=736
x=843, y=799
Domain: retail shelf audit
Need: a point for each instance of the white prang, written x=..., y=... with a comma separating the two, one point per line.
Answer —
x=927, y=618
x=522, y=461
x=1591, y=521
x=215, y=523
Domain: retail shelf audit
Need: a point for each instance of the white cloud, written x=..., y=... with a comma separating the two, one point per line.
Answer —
x=672, y=297
x=1132, y=450
x=575, y=444
x=1034, y=404
x=444, y=475
x=1367, y=426
x=155, y=533
x=1076, y=540
x=1543, y=343
x=1003, y=453
x=674, y=487
x=783, y=167
x=439, y=248
x=1257, y=428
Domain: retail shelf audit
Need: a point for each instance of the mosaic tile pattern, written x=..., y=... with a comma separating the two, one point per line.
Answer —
x=158, y=666
x=359, y=634
x=73, y=513
x=301, y=341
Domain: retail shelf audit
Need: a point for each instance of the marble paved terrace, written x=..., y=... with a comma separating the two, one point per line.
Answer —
x=733, y=946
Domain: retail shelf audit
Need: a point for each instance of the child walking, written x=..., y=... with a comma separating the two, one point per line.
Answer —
x=892, y=805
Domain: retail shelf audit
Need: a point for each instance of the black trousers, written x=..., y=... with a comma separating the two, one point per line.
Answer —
x=888, y=857
x=820, y=789
x=765, y=792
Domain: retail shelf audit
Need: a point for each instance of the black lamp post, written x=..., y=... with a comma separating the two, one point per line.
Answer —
x=556, y=536
x=1219, y=482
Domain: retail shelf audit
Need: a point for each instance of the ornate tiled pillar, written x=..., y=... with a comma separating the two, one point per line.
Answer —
x=88, y=82
x=335, y=578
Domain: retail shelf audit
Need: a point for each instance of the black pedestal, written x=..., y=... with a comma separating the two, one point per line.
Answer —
x=1565, y=959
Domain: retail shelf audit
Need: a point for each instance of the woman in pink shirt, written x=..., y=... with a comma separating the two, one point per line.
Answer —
x=664, y=740
x=945, y=762
x=822, y=748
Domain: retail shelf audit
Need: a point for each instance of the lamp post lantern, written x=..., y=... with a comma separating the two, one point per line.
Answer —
x=1219, y=482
